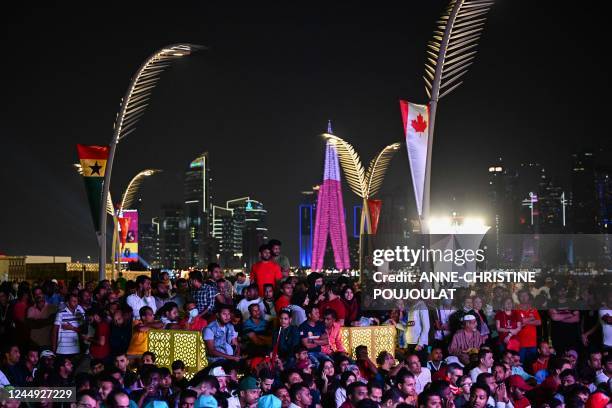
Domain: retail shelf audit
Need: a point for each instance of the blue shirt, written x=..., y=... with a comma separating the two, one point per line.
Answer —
x=222, y=338
x=251, y=326
x=306, y=330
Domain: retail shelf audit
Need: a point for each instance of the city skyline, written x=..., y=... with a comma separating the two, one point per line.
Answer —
x=270, y=144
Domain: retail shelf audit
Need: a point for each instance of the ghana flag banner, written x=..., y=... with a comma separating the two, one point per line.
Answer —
x=416, y=126
x=93, y=164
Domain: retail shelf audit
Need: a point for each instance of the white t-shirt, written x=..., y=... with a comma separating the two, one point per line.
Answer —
x=474, y=372
x=422, y=379
x=136, y=303
x=606, y=328
x=68, y=340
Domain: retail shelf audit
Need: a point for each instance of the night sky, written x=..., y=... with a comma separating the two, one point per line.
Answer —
x=261, y=96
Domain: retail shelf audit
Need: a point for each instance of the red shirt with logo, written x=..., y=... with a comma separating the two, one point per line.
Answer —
x=528, y=335
x=507, y=321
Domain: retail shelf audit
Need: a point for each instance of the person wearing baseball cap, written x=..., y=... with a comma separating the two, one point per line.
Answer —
x=249, y=394
x=518, y=387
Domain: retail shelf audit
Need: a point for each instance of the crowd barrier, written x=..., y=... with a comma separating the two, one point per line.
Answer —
x=188, y=346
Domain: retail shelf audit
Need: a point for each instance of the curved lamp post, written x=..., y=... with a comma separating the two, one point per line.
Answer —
x=364, y=183
x=126, y=202
x=450, y=52
x=133, y=106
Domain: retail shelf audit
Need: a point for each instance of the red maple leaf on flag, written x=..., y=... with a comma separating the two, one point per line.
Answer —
x=419, y=125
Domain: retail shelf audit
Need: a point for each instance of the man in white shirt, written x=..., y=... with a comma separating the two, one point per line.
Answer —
x=422, y=375
x=65, y=332
x=142, y=297
x=485, y=362
x=251, y=298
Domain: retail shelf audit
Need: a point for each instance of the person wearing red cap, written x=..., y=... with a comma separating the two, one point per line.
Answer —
x=518, y=387
x=597, y=400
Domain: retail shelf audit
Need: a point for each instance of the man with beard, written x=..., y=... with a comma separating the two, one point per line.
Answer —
x=39, y=318
x=162, y=294
x=266, y=270
x=280, y=259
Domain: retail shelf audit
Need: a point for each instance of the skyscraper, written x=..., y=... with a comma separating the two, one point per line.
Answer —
x=199, y=247
x=172, y=231
x=330, y=214
x=149, y=244
x=240, y=228
x=306, y=223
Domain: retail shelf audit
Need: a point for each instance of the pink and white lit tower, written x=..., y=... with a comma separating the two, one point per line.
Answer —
x=330, y=214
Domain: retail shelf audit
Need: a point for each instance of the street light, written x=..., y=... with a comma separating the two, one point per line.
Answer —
x=133, y=106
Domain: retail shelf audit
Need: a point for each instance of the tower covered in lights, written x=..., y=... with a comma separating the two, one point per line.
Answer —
x=329, y=220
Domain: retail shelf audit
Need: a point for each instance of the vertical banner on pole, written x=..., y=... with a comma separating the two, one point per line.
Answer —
x=129, y=250
x=416, y=127
x=93, y=164
x=374, y=207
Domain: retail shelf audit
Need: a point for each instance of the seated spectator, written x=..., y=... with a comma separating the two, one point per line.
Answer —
x=257, y=339
x=286, y=337
x=467, y=340
x=284, y=300
x=334, y=336
x=139, y=342
x=544, y=353
x=313, y=335
x=220, y=338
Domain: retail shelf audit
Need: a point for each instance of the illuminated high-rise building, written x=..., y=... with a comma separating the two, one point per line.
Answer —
x=199, y=247
x=307, y=211
x=240, y=228
x=330, y=218
x=172, y=230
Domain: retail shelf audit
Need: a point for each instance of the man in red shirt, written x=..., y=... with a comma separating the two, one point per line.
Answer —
x=266, y=270
x=285, y=298
x=333, y=302
x=528, y=336
x=99, y=343
x=544, y=353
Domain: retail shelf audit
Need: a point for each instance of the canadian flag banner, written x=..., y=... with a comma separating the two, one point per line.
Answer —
x=416, y=126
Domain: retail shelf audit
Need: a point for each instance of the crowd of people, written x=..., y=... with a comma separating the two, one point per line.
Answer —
x=275, y=340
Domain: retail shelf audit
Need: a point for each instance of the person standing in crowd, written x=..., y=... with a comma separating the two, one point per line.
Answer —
x=67, y=327
x=565, y=321
x=142, y=297
x=414, y=326
x=40, y=318
x=266, y=270
x=281, y=260
x=531, y=321
x=100, y=341
x=509, y=323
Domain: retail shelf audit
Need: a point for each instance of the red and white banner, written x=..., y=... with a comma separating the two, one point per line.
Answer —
x=416, y=128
